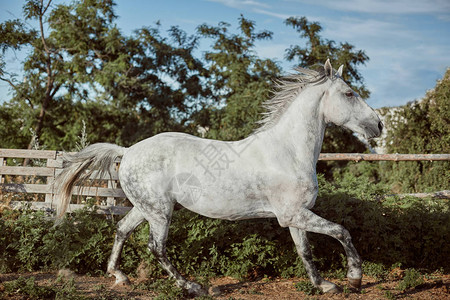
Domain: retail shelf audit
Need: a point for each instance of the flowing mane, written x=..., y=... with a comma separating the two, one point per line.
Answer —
x=286, y=90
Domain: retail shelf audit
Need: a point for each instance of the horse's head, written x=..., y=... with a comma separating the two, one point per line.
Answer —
x=344, y=107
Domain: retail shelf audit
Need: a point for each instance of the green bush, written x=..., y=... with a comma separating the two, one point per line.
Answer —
x=412, y=279
x=385, y=231
x=28, y=287
x=82, y=242
x=22, y=240
x=420, y=127
x=410, y=231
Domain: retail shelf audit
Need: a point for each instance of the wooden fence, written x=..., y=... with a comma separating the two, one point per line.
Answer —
x=48, y=164
x=39, y=177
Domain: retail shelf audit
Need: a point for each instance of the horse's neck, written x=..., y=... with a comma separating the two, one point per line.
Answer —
x=299, y=133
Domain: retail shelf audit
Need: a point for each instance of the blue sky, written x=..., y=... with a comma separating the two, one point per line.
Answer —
x=408, y=41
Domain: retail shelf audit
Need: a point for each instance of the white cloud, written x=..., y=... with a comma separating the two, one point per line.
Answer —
x=272, y=13
x=241, y=3
x=387, y=6
x=253, y=6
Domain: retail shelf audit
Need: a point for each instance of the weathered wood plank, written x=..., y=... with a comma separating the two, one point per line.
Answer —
x=2, y=162
x=436, y=195
x=26, y=171
x=49, y=171
x=98, y=192
x=54, y=163
x=22, y=153
x=25, y=188
x=383, y=157
x=47, y=188
x=96, y=175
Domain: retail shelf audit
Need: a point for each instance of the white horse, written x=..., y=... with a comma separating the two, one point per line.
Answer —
x=270, y=174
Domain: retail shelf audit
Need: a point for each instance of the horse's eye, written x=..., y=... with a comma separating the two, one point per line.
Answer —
x=349, y=94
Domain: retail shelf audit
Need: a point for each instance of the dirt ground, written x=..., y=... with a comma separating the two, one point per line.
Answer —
x=437, y=287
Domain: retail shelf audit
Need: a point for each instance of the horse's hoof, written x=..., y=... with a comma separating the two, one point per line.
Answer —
x=195, y=289
x=214, y=291
x=330, y=288
x=354, y=283
x=122, y=283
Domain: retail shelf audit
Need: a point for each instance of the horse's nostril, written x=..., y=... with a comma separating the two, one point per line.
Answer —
x=380, y=126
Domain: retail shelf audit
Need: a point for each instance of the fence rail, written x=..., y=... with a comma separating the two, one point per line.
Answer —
x=383, y=157
x=51, y=166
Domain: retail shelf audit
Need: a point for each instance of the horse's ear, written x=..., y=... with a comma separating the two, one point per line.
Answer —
x=339, y=71
x=328, y=68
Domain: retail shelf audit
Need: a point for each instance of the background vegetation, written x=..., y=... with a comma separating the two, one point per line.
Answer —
x=411, y=232
x=82, y=69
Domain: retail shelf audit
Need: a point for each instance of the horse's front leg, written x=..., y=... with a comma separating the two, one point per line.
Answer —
x=306, y=220
x=304, y=250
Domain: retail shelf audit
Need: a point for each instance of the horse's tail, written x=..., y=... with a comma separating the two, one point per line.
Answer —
x=80, y=166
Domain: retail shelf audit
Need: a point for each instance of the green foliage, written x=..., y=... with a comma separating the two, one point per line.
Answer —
x=318, y=50
x=384, y=231
x=241, y=80
x=81, y=67
x=420, y=127
x=308, y=288
x=165, y=289
x=390, y=295
x=28, y=287
x=22, y=240
x=412, y=279
x=375, y=270
x=81, y=242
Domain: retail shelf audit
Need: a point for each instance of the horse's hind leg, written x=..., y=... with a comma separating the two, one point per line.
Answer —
x=304, y=250
x=159, y=229
x=124, y=229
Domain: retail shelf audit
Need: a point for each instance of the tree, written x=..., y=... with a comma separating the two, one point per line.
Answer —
x=318, y=50
x=41, y=85
x=83, y=68
x=126, y=88
x=241, y=81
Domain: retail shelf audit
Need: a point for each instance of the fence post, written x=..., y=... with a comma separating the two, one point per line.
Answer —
x=112, y=184
x=50, y=179
x=2, y=163
x=110, y=201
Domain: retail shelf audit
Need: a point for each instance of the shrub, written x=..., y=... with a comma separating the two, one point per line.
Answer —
x=22, y=240
x=375, y=270
x=409, y=231
x=28, y=288
x=420, y=127
x=412, y=279
x=82, y=242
